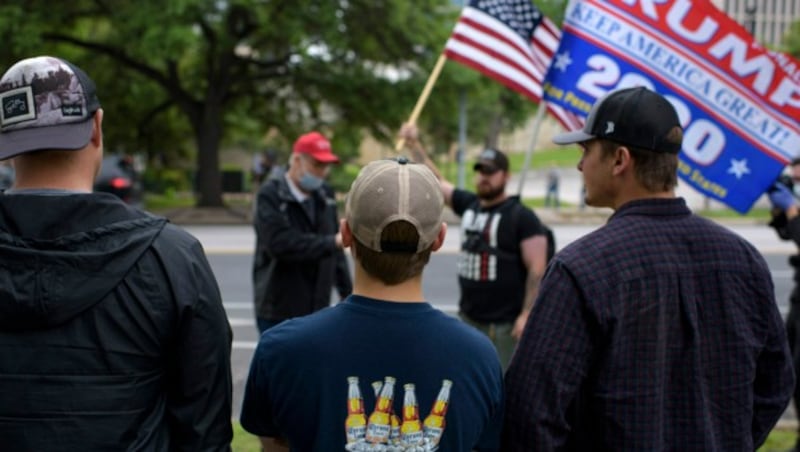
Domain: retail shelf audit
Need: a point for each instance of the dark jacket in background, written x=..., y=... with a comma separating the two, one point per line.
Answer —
x=296, y=261
x=112, y=330
x=790, y=230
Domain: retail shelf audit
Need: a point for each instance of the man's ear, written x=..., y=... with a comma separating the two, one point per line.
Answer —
x=622, y=160
x=97, y=128
x=440, y=238
x=347, y=234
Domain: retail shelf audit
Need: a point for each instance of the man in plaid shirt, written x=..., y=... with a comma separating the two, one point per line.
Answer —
x=659, y=330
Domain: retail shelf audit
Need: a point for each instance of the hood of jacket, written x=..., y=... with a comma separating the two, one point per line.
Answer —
x=62, y=254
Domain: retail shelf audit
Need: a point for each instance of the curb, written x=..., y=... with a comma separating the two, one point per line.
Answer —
x=207, y=215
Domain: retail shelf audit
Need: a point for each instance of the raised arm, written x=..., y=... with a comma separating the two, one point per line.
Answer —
x=410, y=134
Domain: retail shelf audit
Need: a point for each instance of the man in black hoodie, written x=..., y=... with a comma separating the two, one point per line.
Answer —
x=112, y=331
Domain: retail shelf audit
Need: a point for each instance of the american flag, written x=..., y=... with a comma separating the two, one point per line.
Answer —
x=512, y=42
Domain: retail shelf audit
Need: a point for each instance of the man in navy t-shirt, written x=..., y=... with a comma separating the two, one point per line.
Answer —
x=383, y=370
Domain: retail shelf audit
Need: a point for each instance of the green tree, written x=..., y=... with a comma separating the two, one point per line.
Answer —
x=791, y=41
x=185, y=77
x=291, y=65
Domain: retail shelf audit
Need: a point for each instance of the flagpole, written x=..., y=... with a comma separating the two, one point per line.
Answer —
x=423, y=97
x=537, y=123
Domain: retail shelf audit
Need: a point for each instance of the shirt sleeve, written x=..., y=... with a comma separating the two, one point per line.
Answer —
x=548, y=367
x=774, y=379
x=528, y=224
x=199, y=379
x=256, y=415
x=462, y=199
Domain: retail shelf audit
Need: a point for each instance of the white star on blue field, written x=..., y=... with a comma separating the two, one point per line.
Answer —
x=739, y=168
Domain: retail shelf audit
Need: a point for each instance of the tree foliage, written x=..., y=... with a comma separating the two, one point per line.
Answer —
x=185, y=77
x=791, y=42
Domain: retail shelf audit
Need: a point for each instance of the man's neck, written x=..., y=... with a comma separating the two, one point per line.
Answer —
x=635, y=195
x=409, y=291
x=64, y=183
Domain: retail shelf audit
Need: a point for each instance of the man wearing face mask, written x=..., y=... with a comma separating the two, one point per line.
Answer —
x=299, y=255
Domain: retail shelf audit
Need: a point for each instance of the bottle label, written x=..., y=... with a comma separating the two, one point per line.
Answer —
x=378, y=433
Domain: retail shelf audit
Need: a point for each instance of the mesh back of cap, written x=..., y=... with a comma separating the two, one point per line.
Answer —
x=386, y=191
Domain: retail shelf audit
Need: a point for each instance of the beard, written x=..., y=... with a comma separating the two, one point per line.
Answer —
x=489, y=193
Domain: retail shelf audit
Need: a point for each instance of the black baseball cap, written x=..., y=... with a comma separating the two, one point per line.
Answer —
x=637, y=117
x=490, y=161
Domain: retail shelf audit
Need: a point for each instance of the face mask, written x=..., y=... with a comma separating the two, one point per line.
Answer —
x=309, y=182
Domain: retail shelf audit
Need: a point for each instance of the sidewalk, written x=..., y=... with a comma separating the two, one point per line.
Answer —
x=571, y=215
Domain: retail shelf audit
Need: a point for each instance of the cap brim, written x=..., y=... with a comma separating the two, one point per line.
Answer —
x=326, y=158
x=489, y=166
x=576, y=136
x=61, y=137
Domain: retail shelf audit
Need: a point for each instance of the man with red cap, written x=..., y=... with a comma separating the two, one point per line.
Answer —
x=299, y=253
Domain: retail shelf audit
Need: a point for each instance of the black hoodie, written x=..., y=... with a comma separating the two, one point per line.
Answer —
x=112, y=330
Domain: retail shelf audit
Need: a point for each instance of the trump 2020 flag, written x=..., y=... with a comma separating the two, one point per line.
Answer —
x=510, y=41
x=790, y=64
x=738, y=105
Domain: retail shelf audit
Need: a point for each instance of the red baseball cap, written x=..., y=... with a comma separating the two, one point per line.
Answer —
x=315, y=145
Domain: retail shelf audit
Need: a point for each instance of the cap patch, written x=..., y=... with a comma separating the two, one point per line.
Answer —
x=17, y=106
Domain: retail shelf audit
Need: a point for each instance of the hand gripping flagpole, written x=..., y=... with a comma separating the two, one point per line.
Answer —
x=423, y=97
x=537, y=123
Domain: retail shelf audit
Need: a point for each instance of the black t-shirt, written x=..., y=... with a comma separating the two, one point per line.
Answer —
x=491, y=272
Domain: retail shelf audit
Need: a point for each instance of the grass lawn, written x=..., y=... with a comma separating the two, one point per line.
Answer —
x=562, y=157
x=779, y=440
x=243, y=441
x=566, y=156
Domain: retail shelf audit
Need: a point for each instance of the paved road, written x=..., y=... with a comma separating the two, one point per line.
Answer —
x=230, y=254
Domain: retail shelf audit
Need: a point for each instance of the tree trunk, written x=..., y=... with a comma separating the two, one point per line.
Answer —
x=208, y=133
x=493, y=133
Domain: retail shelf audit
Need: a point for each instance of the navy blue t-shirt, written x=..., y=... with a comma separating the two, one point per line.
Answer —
x=314, y=378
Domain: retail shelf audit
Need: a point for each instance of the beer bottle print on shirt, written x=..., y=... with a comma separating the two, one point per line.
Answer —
x=383, y=431
x=379, y=424
x=356, y=423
